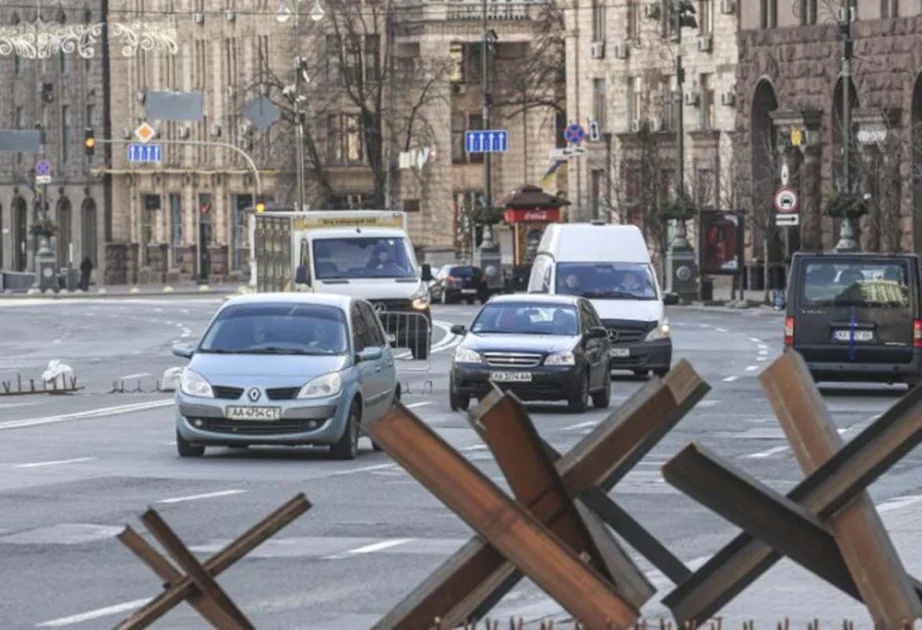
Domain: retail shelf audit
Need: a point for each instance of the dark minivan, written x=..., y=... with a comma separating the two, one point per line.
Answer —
x=855, y=316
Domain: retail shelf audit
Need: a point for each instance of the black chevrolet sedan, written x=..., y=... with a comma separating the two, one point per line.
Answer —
x=541, y=347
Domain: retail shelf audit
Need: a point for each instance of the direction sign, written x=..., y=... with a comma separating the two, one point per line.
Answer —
x=42, y=179
x=575, y=133
x=43, y=168
x=486, y=141
x=145, y=153
x=145, y=133
x=568, y=153
x=786, y=200
x=783, y=220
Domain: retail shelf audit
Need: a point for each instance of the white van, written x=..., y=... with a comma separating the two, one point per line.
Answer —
x=610, y=265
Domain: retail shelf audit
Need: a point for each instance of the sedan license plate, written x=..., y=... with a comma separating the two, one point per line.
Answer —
x=860, y=335
x=265, y=414
x=468, y=291
x=510, y=377
x=620, y=352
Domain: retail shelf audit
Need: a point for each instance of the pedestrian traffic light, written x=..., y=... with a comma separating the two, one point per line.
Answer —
x=89, y=142
x=260, y=203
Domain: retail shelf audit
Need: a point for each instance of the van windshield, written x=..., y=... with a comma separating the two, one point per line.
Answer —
x=363, y=257
x=856, y=283
x=613, y=281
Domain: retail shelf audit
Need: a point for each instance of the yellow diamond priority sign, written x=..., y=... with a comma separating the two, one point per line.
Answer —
x=145, y=133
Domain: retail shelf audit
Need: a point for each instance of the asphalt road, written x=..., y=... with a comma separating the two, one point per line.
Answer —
x=74, y=470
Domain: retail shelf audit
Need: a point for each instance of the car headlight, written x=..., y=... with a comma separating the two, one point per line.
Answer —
x=322, y=386
x=560, y=358
x=420, y=299
x=465, y=355
x=194, y=384
x=660, y=332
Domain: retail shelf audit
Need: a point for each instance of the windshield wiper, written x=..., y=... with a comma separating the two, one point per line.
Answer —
x=611, y=294
x=273, y=350
x=220, y=351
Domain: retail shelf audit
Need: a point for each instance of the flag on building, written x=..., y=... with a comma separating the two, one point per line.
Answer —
x=551, y=174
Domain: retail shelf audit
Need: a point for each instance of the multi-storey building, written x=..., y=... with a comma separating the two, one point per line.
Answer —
x=364, y=82
x=621, y=76
x=61, y=94
x=791, y=117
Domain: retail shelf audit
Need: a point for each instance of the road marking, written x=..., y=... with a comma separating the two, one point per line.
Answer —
x=581, y=425
x=730, y=379
x=723, y=330
x=755, y=340
x=767, y=453
x=85, y=415
x=901, y=502
x=196, y=497
x=418, y=404
x=762, y=359
x=93, y=614
x=385, y=544
x=474, y=447
x=752, y=368
x=139, y=375
x=55, y=462
x=358, y=470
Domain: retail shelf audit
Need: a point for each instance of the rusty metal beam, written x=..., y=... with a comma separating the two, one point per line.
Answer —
x=218, y=563
x=852, y=469
x=171, y=576
x=625, y=436
x=508, y=526
x=868, y=551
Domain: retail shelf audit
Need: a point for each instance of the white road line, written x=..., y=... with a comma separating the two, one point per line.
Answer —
x=85, y=415
x=730, y=379
x=723, y=330
x=762, y=346
x=358, y=470
x=418, y=404
x=581, y=425
x=75, y=460
x=752, y=368
x=474, y=447
x=139, y=375
x=767, y=453
x=762, y=359
x=755, y=340
x=763, y=352
x=385, y=544
x=93, y=614
x=898, y=503
x=196, y=497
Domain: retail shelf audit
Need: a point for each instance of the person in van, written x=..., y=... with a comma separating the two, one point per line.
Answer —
x=630, y=283
x=572, y=284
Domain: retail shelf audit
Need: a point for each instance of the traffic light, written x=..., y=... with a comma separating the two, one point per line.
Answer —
x=89, y=142
x=260, y=203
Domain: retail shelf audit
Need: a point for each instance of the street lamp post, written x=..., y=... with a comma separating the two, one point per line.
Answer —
x=488, y=44
x=847, y=237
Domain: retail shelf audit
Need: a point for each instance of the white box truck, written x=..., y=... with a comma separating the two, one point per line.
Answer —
x=360, y=253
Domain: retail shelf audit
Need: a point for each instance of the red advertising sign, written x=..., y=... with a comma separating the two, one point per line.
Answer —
x=550, y=215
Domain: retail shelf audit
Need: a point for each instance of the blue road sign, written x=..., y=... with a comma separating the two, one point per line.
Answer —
x=43, y=168
x=575, y=133
x=145, y=152
x=486, y=141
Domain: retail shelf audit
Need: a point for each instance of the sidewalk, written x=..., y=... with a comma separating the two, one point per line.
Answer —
x=127, y=291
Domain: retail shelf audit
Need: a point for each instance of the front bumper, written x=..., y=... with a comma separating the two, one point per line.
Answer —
x=204, y=421
x=548, y=382
x=643, y=355
x=866, y=372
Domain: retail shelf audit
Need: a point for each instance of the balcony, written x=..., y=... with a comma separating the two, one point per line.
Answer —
x=472, y=10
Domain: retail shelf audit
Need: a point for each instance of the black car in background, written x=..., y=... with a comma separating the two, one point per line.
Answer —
x=856, y=316
x=541, y=347
x=456, y=283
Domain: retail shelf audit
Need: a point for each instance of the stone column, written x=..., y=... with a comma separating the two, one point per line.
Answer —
x=878, y=150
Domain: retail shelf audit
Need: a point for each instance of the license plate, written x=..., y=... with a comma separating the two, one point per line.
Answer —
x=265, y=414
x=620, y=352
x=391, y=337
x=860, y=335
x=468, y=291
x=511, y=377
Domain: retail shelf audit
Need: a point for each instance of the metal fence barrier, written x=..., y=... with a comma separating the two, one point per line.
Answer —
x=410, y=335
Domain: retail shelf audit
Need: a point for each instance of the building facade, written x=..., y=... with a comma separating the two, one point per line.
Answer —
x=59, y=94
x=791, y=118
x=385, y=110
x=621, y=80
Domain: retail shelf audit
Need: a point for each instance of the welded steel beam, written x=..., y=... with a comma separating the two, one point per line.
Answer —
x=509, y=527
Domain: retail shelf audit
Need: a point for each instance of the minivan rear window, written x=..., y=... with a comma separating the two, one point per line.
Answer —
x=856, y=283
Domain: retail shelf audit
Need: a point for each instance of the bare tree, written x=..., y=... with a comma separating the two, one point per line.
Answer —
x=367, y=98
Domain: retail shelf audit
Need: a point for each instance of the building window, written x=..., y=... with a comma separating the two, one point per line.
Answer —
x=65, y=133
x=599, y=102
x=668, y=95
x=598, y=20
x=889, y=9
x=176, y=229
x=19, y=122
x=595, y=192
x=705, y=17
x=706, y=188
x=466, y=63
x=150, y=204
x=332, y=56
x=372, y=58
x=475, y=123
x=633, y=19
x=411, y=205
x=808, y=12
x=634, y=98
x=768, y=13
x=344, y=138
x=708, y=111
x=458, y=127
x=241, y=203
x=17, y=65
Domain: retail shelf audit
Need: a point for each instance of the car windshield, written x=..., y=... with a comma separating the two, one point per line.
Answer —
x=364, y=257
x=856, y=283
x=307, y=329
x=521, y=318
x=615, y=281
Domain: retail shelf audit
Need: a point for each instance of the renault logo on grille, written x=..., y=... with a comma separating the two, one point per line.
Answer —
x=380, y=307
x=253, y=395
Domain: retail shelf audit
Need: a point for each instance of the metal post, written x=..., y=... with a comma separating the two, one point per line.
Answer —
x=847, y=240
x=679, y=240
x=299, y=115
x=487, y=104
x=392, y=149
x=608, y=137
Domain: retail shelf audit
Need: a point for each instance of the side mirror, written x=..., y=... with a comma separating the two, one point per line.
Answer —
x=670, y=299
x=302, y=276
x=370, y=354
x=183, y=351
x=427, y=273
x=596, y=332
x=458, y=329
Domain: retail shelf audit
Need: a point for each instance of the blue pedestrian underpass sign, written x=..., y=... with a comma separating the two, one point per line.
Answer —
x=575, y=133
x=486, y=141
x=43, y=168
x=145, y=153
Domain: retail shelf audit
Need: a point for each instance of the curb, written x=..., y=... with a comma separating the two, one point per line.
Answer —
x=133, y=292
